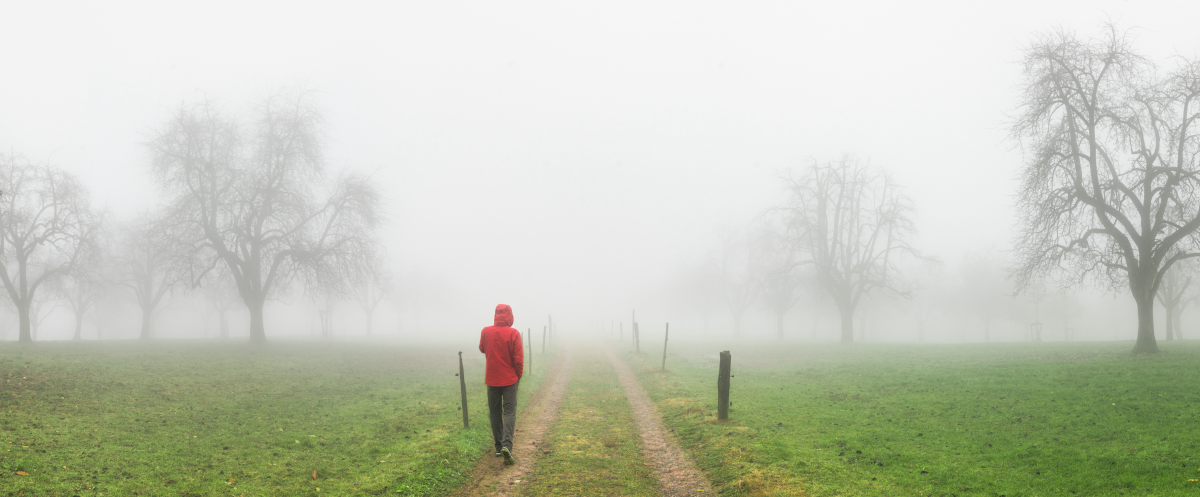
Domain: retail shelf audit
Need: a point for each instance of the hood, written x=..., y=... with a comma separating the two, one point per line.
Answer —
x=504, y=316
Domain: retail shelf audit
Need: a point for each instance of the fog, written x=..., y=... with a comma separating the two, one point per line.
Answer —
x=580, y=160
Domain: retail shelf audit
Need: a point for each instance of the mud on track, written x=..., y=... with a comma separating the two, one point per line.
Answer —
x=676, y=474
x=491, y=476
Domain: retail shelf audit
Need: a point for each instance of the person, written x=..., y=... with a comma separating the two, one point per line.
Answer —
x=505, y=365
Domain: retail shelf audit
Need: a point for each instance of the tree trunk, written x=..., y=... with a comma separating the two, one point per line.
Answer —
x=370, y=319
x=224, y=323
x=145, y=324
x=862, y=328
x=257, y=335
x=779, y=325
x=78, y=327
x=1170, y=316
x=737, y=325
x=23, y=316
x=815, y=318
x=1145, y=337
x=326, y=324
x=1179, y=321
x=847, y=323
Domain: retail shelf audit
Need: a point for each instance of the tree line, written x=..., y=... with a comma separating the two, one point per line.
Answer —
x=250, y=212
x=1109, y=196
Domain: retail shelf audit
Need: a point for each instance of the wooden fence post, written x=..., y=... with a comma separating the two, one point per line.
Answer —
x=637, y=338
x=666, y=336
x=723, y=387
x=462, y=384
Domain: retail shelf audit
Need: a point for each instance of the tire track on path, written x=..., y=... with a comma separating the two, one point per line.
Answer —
x=676, y=473
x=491, y=476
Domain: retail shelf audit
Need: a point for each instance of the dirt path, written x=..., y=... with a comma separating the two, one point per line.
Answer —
x=675, y=472
x=491, y=476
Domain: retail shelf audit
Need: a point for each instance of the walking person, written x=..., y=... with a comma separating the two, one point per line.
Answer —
x=505, y=365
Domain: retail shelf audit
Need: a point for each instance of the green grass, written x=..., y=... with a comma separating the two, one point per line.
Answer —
x=594, y=443
x=991, y=420
x=208, y=418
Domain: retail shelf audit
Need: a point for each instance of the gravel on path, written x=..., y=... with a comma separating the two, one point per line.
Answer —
x=676, y=473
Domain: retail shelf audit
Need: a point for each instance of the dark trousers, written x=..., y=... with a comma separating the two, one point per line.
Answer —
x=502, y=407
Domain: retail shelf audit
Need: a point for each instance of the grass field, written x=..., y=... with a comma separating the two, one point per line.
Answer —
x=594, y=443
x=989, y=420
x=209, y=418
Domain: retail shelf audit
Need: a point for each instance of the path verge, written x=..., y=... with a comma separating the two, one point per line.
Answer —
x=491, y=476
x=676, y=474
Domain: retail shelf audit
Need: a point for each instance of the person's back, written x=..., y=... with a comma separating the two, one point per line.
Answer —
x=501, y=344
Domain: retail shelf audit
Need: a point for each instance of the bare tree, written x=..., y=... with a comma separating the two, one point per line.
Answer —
x=984, y=291
x=1174, y=293
x=371, y=292
x=779, y=273
x=151, y=264
x=926, y=292
x=699, y=290
x=735, y=268
x=45, y=222
x=326, y=302
x=221, y=294
x=36, y=308
x=248, y=200
x=852, y=224
x=85, y=283
x=1109, y=191
x=1067, y=307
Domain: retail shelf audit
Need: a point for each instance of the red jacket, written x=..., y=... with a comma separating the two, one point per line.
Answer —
x=502, y=345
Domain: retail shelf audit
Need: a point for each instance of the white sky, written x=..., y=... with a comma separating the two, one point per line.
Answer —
x=565, y=155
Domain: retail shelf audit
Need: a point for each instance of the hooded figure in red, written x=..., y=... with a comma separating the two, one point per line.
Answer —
x=505, y=353
x=501, y=344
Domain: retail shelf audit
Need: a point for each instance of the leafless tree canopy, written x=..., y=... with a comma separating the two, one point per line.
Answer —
x=150, y=263
x=247, y=198
x=852, y=224
x=1109, y=190
x=781, y=277
x=46, y=225
x=736, y=269
x=86, y=282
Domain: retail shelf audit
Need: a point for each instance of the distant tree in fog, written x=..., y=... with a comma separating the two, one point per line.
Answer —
x=326, y=301
x=698, y=288
x=926, y=292
x=1067, y=307
x=852, y=224
x=984, y=290
x=1175, y=293
x=1109, y=190
x=371, y=292
x=246, y=198
x=779, y=273
x=221, y=295
x=38, y=310
x=46, y=222
x=735, y=268
x=150, y=262
x=85, y=282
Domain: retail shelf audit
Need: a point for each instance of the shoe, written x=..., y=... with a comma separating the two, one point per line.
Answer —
x=497, y=453
x=508, y=458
